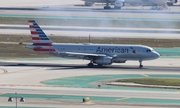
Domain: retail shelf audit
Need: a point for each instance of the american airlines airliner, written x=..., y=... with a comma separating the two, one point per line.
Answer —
x=99, y=54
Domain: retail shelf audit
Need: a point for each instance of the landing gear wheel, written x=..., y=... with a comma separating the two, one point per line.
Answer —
x=90, y=65
x=140, y=65
x=116, y=7
x=100, y=65
x=107, y=7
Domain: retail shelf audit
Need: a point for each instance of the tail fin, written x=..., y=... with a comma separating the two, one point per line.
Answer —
x=37, y=34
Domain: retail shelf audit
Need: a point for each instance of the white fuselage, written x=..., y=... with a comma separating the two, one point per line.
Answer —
x=116, y=51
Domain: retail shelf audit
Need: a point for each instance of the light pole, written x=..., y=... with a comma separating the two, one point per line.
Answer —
x=11, y=99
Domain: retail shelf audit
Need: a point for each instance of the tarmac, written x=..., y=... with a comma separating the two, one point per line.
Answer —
x=73, y=81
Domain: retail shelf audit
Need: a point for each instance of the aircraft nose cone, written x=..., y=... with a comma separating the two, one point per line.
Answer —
x=156, y=55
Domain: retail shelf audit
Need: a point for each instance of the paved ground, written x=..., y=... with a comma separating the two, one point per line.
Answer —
x=25, y=77
x=23, y=3
x=95, y=32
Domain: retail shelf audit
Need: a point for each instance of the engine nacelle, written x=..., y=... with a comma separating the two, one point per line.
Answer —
x=88, y=3
x=119, y=3
x=103, y=61
x=119, y=61
x=172, y=1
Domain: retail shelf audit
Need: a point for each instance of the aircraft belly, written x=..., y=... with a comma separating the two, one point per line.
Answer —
x=127, y=57
x=145, y=2
x=66, y=55
x=98, y=1
x=133, y=1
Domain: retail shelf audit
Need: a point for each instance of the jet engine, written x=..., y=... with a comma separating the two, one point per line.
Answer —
x=118, y=4
x=103, y=60
x=88, y=3
x=170, y=2
x=119, y=61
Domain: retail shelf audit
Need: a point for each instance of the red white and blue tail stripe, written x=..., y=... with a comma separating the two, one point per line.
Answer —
x=39, y=38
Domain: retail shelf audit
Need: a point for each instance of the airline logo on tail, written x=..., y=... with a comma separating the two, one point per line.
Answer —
x=39, y=38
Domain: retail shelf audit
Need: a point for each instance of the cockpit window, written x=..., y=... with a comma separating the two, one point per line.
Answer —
x=148, y=50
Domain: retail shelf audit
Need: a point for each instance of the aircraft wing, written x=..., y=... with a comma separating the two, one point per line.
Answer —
x=83, y=54
x=97, y=1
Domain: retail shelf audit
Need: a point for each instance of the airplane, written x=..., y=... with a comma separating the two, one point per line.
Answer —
x=99, y=54
x=120, y=3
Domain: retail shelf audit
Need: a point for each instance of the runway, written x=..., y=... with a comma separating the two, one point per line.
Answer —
x=96, y=32
x=94, y=29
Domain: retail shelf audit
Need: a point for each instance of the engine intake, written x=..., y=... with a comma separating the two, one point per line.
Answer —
x=88, y=3
x=119, y=3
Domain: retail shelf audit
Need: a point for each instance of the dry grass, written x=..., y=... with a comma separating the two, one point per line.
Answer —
x=65, y=39
x=19, y=51
x=153, y=81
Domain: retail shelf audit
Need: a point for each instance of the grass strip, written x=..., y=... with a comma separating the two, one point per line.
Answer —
x=165, y=43
x=18, y=51
x=153, y=81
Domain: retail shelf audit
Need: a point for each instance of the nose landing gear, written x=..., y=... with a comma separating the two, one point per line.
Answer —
x=140, y=64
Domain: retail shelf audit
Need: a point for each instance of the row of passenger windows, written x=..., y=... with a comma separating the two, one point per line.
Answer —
x=78, y=49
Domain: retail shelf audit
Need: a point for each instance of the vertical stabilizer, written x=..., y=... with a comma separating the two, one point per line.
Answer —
x=37, y=34
x=40, y=40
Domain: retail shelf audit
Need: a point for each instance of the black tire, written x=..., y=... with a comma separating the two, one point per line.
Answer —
x=107, y=7
x=100, y=65
x=90, y=65
x=117, y=7
x=170, y=4
x=140, y=66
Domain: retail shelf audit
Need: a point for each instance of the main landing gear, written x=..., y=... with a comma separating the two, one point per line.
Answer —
x=91, y=64
x=107, y=6
x=140, y=64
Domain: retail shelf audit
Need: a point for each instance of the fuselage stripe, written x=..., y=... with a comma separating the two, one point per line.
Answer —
x=42, y=44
